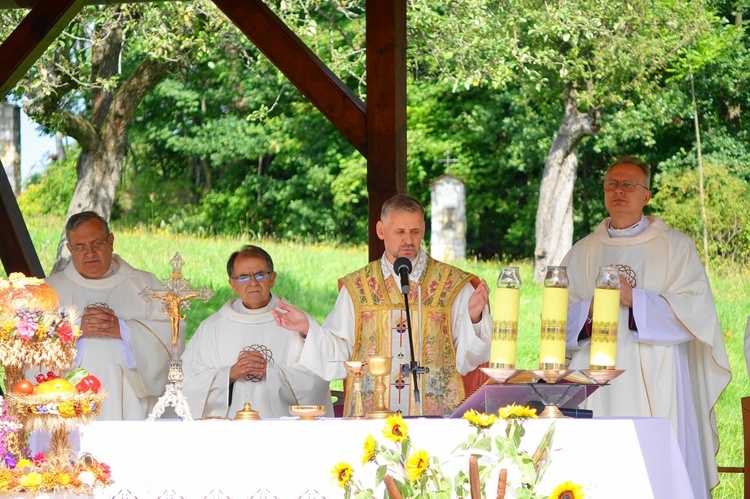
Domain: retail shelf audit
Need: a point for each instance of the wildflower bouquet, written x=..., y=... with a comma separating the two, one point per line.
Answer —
x=38, y=475
x=31, y=336
x=408, y=472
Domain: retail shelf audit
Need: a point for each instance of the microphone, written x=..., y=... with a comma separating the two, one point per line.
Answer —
x=402, y=267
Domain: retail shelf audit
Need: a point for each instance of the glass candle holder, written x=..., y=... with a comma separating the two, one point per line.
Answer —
x=605, y=319
x=554, y=319
x=505, y=319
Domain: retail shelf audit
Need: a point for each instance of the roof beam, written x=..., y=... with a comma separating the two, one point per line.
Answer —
x=386, y=109
x=31, y=38
x=16, y=247
x=301, y=66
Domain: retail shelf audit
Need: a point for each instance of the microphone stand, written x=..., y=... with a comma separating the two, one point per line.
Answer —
x=413, y=367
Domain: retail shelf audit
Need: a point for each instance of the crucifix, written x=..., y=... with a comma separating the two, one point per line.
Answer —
x=175, y=296
x=448, y=160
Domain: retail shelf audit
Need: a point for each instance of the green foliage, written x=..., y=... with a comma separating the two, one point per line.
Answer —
x=678, y=203
x=50, y=193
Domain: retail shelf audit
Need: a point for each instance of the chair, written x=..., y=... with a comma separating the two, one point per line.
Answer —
x=746, y=438
x=338, y=403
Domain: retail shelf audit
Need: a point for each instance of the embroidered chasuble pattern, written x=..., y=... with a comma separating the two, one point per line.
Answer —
x=381, y=329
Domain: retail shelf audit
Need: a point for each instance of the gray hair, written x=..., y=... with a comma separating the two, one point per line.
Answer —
x=249, y=251
x=632, y=160
x=401, y=202
x=83, y=217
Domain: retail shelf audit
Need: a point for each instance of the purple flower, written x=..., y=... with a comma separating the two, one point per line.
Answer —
x=27, y=329
x=10, y=461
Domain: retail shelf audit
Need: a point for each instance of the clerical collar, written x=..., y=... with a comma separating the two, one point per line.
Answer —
x=417, y=271
x=113, y=268
x=631, y=231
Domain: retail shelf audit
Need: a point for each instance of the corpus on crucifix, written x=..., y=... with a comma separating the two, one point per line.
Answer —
x=175, y=296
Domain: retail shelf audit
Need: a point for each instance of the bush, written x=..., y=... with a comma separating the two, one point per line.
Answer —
x=51, y=191
x=728, y=220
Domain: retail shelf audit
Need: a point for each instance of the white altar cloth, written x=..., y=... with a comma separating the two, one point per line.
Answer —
x=611, y=458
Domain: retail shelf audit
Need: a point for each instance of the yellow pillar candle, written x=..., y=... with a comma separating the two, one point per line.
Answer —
x=604, y=328
x=554, y=324
x=504, y=328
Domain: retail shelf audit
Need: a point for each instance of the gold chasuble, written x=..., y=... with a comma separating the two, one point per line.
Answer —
x=381, y=329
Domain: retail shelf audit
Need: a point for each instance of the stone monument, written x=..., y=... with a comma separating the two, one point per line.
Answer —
x=448, y=200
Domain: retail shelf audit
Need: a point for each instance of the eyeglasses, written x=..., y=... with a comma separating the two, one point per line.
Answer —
x=81, y=248
x=245, y=278
x=625, y=185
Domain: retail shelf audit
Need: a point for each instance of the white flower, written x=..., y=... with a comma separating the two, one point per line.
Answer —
x=87, y=477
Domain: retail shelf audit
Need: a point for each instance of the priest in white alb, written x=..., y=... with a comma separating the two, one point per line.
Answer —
x=125, y=341
x=669, y=341
x=239, y=354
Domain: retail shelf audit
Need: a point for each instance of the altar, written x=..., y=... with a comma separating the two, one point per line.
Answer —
x=286, y=458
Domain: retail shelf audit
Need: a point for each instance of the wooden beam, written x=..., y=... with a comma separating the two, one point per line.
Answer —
x=16, y=247
x=31, y=38
x=303, y=68
x=386, y=109
x=18, y=53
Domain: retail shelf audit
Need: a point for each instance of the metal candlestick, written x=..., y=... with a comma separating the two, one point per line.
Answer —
x=357, y=369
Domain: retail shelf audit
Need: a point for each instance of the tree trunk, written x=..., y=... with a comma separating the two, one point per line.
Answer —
x=554, y=217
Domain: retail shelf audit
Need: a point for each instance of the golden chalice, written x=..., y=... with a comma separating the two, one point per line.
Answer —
x=380, y=368
x=357, y=369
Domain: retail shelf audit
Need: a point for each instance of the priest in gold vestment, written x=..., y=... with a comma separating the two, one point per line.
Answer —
x=451, y=324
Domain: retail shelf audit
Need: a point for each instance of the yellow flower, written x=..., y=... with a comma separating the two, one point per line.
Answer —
x=342, y=473
x=41, y=331
x=395, y=430
x=63, y=478
x=479, y=419
x=416, y=465
x=67, y=409
x=514, y=411
x=22, y=463
x=568, y=490
x=369, y=453
x=32, y=480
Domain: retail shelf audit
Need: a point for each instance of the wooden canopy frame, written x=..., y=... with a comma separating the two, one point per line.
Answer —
x=377, y=129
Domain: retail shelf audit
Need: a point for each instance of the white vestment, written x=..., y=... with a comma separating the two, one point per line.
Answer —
x=132, y=370
x=676, y=363
x=327, y=347
x=218, y=342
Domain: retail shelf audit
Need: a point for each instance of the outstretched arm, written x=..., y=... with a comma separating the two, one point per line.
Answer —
x=291, y=318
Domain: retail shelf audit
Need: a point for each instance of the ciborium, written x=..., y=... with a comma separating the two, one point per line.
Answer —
x=380, y=368
x=357, y=369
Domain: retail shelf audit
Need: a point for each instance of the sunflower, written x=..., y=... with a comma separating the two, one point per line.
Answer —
x=568, y=490
x=341, y=474
x=395, y=430
x=369, y=453
x=514, y=411
x=479, y=419
x=416, y=465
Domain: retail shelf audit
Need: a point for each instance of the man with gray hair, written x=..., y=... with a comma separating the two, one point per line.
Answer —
x=669, y=340
x=125, y=341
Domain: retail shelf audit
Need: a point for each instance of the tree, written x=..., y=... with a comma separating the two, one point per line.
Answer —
x=89, y=84
x=584, y=55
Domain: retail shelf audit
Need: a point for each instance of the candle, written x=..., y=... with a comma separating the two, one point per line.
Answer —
x=505, y=319
x=554, y=324
x=605, y=319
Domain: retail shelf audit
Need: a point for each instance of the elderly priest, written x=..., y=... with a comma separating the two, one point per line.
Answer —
x=240, y=355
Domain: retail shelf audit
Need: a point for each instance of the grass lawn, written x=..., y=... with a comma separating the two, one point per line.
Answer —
x=307, y=276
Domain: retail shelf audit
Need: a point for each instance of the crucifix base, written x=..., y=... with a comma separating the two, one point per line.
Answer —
x=173, y=396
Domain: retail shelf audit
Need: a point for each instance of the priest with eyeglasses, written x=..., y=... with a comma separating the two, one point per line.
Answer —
x=239, y=354
x=124, y=340
x=669, y=340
